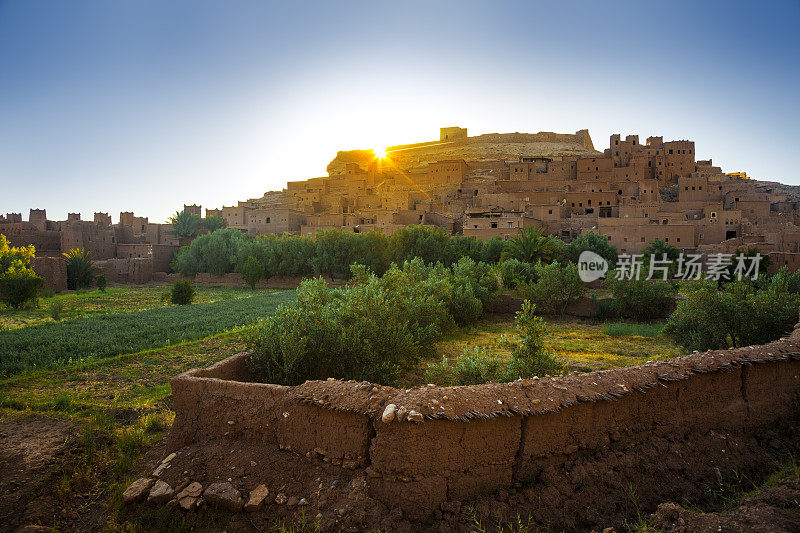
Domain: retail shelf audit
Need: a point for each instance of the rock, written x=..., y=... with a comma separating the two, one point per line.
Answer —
x=160, y=469
x=253, y=463
x=138, y=490
x=280, y=499
x=414, y=416
x=256, y=499
x=160, y=493
x=169, y=458
x=193, y=490
x=388, y=413
x=223, y=495
x=292, y=502
x=188, y=502
x=302, y=502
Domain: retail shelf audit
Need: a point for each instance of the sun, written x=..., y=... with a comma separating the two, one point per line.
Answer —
x=380, y=153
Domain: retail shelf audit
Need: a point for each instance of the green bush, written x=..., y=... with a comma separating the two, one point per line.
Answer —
x=373, y=329
x=737, y=314
x=514, y=272
x=56, y=307
x=492, y=250
x=640, y=299
x=19, y=284
x=478, y=365
x=557, y=286
x=101, y=283
x=80, y=270
x=182, y=292
x=252, y=271
x=593, y=242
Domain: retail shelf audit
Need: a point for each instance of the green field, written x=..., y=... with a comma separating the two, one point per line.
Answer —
x=116, y=299
x=582, y=346
x=111, y=324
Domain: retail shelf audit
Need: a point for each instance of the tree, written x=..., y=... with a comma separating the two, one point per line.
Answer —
x=531, y=245
x=80, y=270
x=19, y=284
x=492, y=250
x=213, y=223
x=185, y=225
x=252, y=271
x=593, y=242
x=9, y=254
x=557, y=287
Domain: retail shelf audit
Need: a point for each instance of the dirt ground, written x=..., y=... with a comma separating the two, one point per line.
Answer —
x=36, y=451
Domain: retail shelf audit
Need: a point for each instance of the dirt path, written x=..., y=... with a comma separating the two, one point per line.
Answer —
x=30, y=450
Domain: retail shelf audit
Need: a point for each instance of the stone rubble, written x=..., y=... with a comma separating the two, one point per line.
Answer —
x=223, y=495
x=137, y=490
x=257, y=498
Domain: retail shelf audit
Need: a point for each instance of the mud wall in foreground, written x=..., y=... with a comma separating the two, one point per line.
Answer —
x=459, y=443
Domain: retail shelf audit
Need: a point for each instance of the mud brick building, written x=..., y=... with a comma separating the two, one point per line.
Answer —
x=485, y=186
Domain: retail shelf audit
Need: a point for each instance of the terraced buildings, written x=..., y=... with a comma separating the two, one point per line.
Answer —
x=493, y=184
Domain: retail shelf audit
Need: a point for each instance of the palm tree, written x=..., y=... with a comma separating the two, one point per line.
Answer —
x=185, y=225
x=530, y=246
x=213, y=223
x=80, y=270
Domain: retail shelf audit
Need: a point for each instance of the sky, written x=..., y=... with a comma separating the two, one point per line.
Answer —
x=147, y=105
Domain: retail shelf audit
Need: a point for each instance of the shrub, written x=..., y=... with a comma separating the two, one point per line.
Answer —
x=593, y=242
x=492, y=250
x=56, y=307
x=19, y=284
x=478, y=365
x=182, y=292
x=252, y=271
x=737, y=314
x=531, y=358
x=557, y=286
x=100, y=281
x=80, y=271
x=640, y=299
x=514, y=272
x=47, y=292
x=373, y=329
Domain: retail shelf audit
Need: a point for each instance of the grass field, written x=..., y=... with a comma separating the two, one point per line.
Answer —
x=95, y=335
x=115, y=299
x=580, y=345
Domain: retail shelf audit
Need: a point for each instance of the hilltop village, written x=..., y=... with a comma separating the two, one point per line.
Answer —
x=485, y=186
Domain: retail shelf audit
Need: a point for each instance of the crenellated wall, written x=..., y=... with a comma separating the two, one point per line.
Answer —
x=460, y=443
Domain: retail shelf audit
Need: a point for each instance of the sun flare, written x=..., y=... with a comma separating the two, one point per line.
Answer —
x=380, y=153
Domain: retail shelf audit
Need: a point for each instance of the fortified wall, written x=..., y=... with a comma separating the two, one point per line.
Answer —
x=423, y=449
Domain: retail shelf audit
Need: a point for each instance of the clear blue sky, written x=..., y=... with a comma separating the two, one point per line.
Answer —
x=144, y=105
